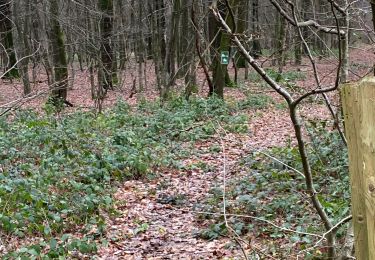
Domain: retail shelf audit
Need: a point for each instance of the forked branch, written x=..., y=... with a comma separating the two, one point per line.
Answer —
x=297, y=125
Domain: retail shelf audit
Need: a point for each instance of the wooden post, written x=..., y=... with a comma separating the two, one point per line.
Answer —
x=359, y=112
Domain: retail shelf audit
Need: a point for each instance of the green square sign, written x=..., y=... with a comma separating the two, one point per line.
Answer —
x=224, y=57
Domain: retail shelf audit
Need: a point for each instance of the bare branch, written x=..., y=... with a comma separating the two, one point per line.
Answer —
x=338, y=8
x=19, y=60
x=320, y=90
x=312, y=23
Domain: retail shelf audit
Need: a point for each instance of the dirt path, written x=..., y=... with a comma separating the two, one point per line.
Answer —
x=156, y=219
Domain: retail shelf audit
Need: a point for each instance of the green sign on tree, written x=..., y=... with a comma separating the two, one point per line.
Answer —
x=224, y=57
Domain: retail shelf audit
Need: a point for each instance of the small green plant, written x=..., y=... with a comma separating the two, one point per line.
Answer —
x=258, y=101
x=286, y=76
x=62, y=247
x=281, y=106
x=58, y=174
x=142, y=228
x=275, y=192
x=254, y=77
x=231, y=84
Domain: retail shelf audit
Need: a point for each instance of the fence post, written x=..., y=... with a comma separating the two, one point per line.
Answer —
x=358, y=101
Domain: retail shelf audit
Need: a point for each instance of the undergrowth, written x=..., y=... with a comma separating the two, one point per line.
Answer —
x=256, y=101
x=58, y=173
x=286, y=76
x=273, y=192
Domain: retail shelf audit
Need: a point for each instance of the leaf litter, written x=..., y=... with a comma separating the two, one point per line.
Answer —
x=155, y=218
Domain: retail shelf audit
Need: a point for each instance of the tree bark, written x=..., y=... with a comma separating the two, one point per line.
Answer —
x=187, y=43
x=280, y=45
x=57, y=52
x=345, y=47
x=242, y=26
x=256, y=50
x=141, y=56
x=106, y=49
x=6, y=28
x=220, y=74
x=22, y=45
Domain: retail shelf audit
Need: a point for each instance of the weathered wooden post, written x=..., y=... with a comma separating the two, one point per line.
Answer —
x=359, y=113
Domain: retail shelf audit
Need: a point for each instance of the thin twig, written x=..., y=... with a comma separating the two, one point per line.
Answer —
x=224, y=191
x=255, y=218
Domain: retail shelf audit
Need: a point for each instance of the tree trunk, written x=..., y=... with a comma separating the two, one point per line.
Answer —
x=297, y=48
x=256, y=50
x=106, y=50
x=57, y=52
x=243, y=14
x=281, y=36
x=220, y=71
x=6, y=27
x=141, y=48
x=345, y=48
x=297, y=42
x=306, y=4
x=22, y=43
x=171, y=30
x=187, y=43
x=186, y=37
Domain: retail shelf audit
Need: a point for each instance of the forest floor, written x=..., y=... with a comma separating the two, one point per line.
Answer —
x=157, y=217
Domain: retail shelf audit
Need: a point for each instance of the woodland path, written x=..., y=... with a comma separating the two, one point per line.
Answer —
x=166, y=204
x=159, y=219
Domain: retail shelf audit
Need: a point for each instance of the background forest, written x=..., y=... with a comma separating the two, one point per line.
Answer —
x=178, y=129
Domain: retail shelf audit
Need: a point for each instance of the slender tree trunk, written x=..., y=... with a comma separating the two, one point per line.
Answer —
x=189, y=57
x=198, y=45
x=186, y=37
x=214, y=39
x=297, y=49
x=297, y=42
x=220, y=71
x=281, y=37
x=171, y=29
x=122, y=39
x=345, y=48
x=36, y=29
x=256, y=50
x=242, y=26
x=305, y=7
x=106, y=50
x=22, y=45
x=140, y=48
x=158, y=41
x=6, y=28
x=57, y=51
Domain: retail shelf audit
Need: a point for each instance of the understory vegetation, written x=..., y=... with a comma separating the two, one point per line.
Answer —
x=58, y=173
x=271, y=189
x=170, y=129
